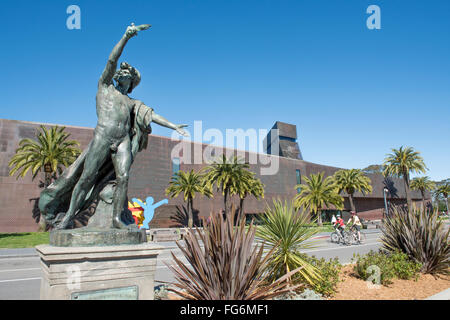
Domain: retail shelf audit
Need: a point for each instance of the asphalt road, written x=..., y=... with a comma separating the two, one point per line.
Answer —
x=20, y=272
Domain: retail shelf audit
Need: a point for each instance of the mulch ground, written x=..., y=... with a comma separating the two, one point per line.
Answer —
x=353, y=288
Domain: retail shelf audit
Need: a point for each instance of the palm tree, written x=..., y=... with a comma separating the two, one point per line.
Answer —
x=373, y=168
x=317, y=193
x=443, y=190
x=351, y=181
x=189, y=183
x=249, y=185
x=400, y=163
x=225, y=174
x=423, y=184
x=52, y=152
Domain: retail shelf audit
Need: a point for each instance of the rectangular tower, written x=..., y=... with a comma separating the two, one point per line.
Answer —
x=282, y=141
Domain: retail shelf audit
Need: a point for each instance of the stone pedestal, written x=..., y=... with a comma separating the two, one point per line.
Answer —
x=98, y=272
x=89, y=236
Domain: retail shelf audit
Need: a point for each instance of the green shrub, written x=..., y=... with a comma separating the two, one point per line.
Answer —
x=364, y=269
x=391, y=265
x=404, y=268
x=329, y=272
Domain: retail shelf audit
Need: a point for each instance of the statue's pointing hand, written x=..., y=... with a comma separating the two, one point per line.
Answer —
x=181, y=131
x=133, y=30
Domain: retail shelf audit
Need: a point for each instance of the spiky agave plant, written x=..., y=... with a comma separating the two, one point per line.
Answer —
x=421, y=235
x=285, y=230
x=228, y=266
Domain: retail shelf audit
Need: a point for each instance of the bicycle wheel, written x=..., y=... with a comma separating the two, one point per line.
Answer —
x=334, y=237
x=363, y=237
x=347, y=238
x=354, y=237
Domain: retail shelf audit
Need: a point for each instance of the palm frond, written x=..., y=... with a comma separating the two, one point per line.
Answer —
x=50, y=147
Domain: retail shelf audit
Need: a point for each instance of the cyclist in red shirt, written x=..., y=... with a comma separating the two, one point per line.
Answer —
x=339, y=225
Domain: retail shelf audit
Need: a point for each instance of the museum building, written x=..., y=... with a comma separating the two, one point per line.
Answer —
x=153, y=168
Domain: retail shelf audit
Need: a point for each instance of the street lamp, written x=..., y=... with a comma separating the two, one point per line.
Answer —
x=385, y=190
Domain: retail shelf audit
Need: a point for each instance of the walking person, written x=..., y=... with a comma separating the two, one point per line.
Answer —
x=333, y=220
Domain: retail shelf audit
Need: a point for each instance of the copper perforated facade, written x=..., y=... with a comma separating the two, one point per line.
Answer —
x=151, y=173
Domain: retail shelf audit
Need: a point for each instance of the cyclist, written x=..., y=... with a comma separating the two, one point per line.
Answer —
x=339, y=225
x=355, y=223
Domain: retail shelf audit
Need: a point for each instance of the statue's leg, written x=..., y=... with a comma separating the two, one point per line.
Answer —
x=122, y=163
x=98, y=153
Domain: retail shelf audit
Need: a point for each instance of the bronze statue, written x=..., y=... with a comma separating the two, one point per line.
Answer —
x=122, y=131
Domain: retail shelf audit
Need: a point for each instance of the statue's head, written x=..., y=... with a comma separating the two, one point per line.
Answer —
x=127, y=77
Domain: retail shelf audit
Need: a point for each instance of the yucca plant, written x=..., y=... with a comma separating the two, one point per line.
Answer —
x=285, y=231
x=228, y=266
x=421, y=235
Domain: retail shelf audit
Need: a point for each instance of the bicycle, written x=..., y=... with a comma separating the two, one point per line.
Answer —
x=337, y=237
x=353, y=236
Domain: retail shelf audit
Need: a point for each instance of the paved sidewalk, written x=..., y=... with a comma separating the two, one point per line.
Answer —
x=168, y=244
x=20, y=252
x=29, y=252
x=444, y=295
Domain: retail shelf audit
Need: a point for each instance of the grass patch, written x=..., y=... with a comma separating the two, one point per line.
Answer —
x=23, y=239
x=324, y=228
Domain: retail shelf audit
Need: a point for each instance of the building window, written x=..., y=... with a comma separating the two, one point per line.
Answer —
x=288, y=139
x=175, y=165
x=299, y=179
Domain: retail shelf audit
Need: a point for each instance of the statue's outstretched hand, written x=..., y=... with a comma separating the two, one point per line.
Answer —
x=181, y=131
x=133, y=30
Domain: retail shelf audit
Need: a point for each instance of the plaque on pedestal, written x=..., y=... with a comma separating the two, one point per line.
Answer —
x=98, y=272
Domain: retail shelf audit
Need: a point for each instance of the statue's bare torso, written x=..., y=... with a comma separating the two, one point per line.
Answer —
x=113, y=113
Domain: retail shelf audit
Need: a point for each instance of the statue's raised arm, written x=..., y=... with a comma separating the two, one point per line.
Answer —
x=111, y=65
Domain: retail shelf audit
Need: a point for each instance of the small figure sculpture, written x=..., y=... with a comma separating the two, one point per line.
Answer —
x=122, y=131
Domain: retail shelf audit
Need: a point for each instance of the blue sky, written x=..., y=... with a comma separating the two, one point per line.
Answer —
x=353, y=93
